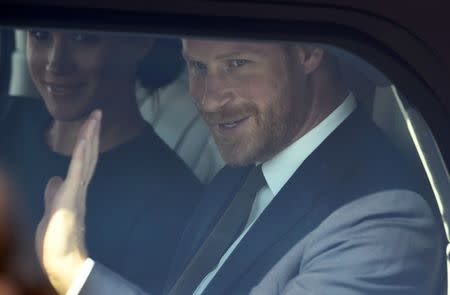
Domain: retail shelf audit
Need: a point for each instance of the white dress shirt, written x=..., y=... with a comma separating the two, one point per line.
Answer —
x=277, y=172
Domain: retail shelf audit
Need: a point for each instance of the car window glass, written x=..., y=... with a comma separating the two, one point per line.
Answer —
x=182, y=118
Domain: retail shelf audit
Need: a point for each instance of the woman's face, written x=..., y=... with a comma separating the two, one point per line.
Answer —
x=76, y=72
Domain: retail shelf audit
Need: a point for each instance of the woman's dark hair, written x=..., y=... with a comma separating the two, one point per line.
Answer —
x=162, y=64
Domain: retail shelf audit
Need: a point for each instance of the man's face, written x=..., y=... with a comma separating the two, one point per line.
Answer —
x=76, y=72
x=253, y=96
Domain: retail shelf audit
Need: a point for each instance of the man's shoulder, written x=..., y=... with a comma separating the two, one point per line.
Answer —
x=374, y=160
x=388, y=204
x=362, y=162
x=385, y=237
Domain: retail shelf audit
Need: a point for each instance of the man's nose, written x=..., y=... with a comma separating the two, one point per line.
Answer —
x=58, y=61
x=217, y=92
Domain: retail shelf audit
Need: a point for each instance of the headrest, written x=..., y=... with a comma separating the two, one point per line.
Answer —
x=349, y=61
x=162, y=65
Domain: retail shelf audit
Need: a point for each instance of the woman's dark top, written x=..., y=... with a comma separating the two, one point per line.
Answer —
x=138, y=202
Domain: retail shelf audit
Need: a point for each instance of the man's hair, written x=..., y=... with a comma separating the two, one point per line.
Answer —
x=329, y=62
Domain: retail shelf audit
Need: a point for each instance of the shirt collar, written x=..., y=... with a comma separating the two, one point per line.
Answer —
x=282, y=166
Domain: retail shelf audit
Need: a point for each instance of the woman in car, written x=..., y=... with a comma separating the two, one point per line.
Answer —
x=141, y=189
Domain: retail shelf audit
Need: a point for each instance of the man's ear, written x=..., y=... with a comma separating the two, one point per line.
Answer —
x=310, y=58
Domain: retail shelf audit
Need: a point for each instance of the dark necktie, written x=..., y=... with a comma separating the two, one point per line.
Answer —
x=222, y=236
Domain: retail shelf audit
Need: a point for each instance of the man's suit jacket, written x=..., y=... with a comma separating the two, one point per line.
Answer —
x=353, y=219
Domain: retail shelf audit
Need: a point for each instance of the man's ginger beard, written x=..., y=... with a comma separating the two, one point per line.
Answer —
x=271, y=131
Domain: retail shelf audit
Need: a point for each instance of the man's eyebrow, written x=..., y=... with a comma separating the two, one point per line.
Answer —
x=239, y=52
x=228, y=54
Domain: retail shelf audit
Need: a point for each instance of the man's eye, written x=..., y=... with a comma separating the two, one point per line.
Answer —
x=235, y=63
x=85, y=38
x=40, y=35
x=197, y=66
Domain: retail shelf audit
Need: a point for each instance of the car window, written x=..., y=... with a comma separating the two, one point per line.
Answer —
x=347, y=165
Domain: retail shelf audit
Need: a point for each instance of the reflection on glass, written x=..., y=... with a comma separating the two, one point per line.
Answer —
x=322, y=190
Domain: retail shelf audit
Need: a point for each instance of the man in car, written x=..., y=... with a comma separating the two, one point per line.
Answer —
x=314, y=199
x=140, y=185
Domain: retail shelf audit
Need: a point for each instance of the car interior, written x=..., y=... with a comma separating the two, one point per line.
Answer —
x=174, y=116
x=184, y=132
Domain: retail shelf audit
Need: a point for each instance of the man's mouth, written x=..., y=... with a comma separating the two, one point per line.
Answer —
x=231, y=125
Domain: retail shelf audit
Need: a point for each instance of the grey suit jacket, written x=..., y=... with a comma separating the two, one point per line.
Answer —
x=378, y=244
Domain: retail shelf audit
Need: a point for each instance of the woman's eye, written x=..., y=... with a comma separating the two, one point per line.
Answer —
x=85, y=38
x=40, y=35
